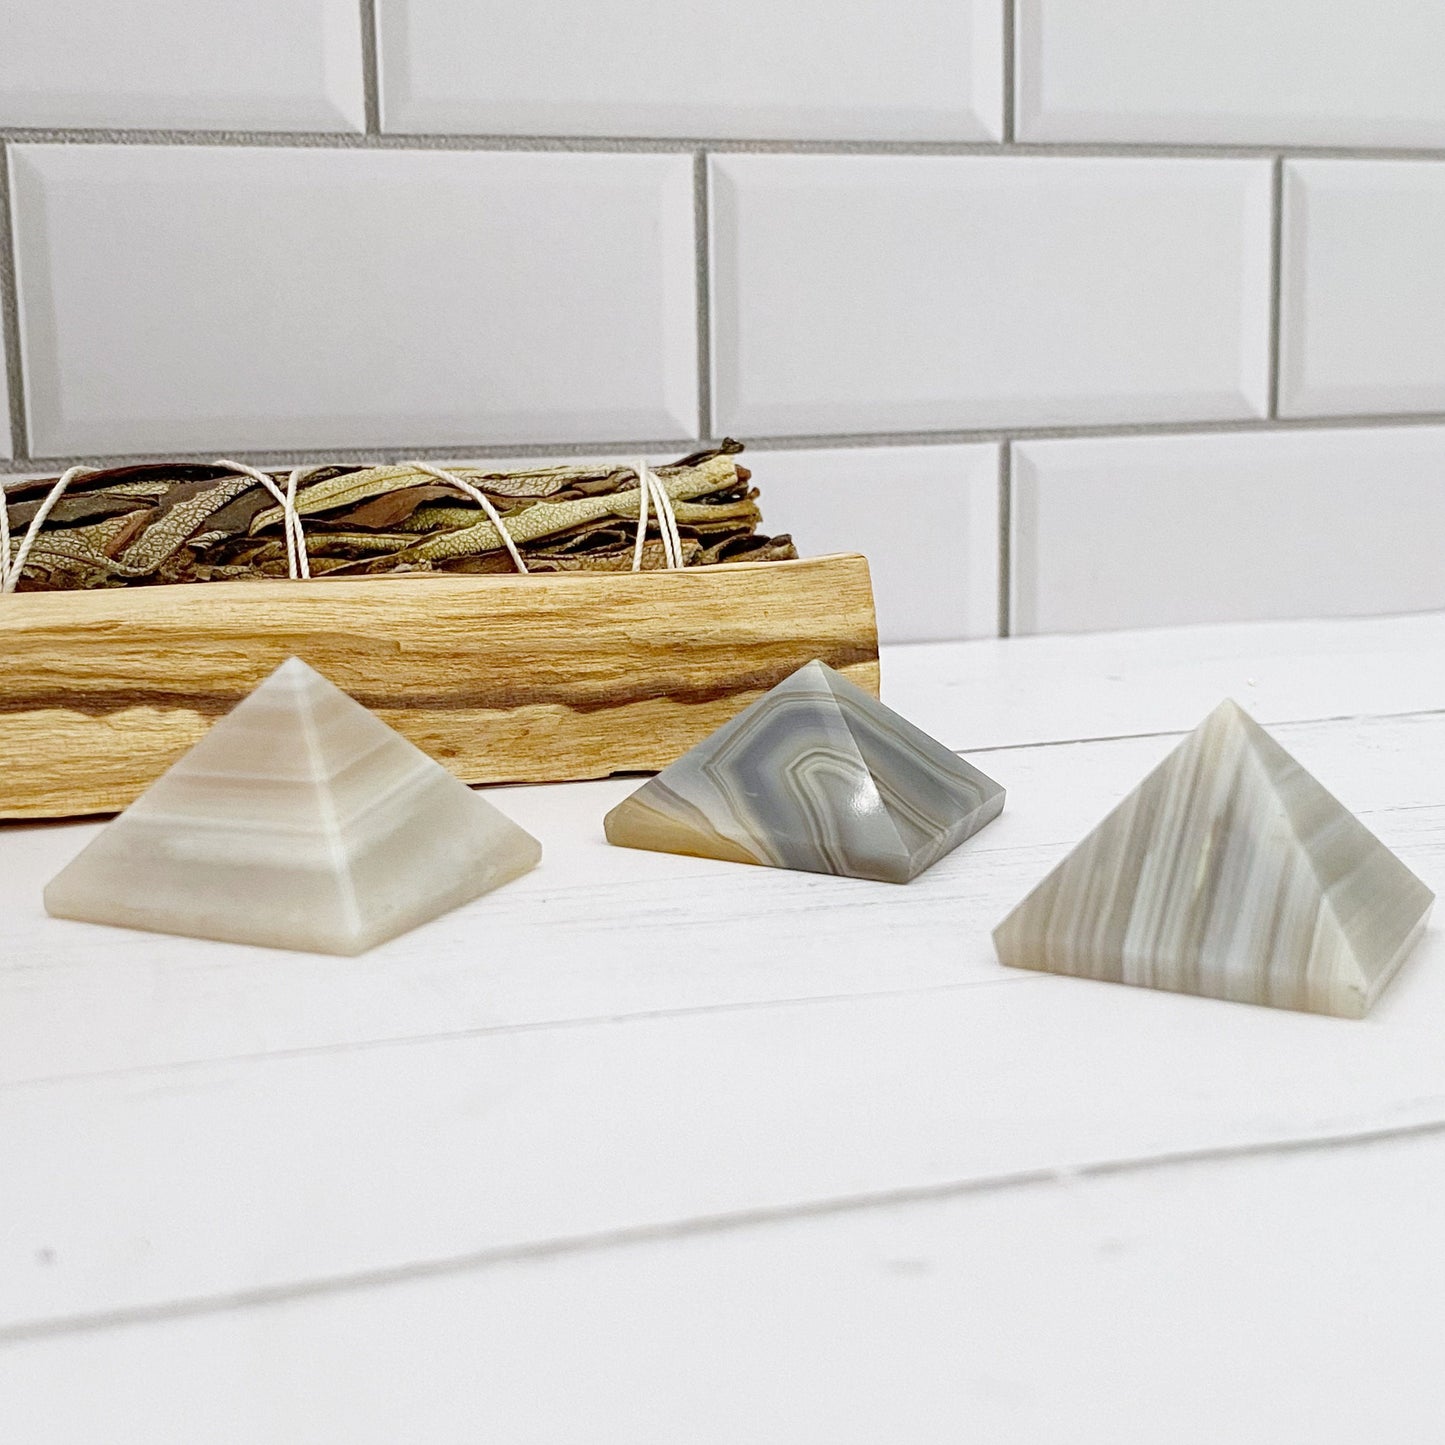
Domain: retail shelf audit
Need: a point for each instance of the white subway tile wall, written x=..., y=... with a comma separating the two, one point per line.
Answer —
x=927, y=518
x=1151, y=531
x=754, y=69
x=1363, y=287
x=883, y=293
x=270, y=65
x=1266, y=72
x=184, y=297
x=1067, y=328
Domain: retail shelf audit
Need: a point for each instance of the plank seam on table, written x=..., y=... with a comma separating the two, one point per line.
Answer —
x=1287, y=722
x=758, y=1217
x=531, y=1026
x=536, y=1026
x=541, y=1026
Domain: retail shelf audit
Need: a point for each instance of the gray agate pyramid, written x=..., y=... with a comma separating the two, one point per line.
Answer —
x=1229, y=872
x=300, y=820
x=815, y=775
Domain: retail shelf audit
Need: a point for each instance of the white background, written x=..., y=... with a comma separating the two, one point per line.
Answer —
x=1073, y=315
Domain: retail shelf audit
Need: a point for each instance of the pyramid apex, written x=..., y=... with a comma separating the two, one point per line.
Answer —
x=297, y=670
x=1230, y=710
x=815, y=668
x=1233, y=718
x=291, y=677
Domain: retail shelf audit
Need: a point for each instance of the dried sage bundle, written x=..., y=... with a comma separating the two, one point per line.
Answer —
x=160, y=522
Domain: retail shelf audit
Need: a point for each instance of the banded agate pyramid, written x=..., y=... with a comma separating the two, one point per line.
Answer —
x=815, y=775
x=1229, y=872
x=300, y=820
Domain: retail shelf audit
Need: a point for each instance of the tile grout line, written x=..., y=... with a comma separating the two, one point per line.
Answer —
x=480, y=450
x=763, y=145
x=702, y=242
x=1276, y=265
x=1005, y=539
x=1010, y=45
x=370, y=67
x=746, y=1217
x=10, y=322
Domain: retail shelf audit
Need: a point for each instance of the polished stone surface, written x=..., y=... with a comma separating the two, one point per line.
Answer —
x=300, y=820
x=1229, y=872
x=816, y=775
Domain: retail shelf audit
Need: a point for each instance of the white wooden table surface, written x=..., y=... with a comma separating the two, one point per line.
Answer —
x=655, y=1149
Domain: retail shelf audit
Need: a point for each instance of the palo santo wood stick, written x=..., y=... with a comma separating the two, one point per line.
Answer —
x=503, y=678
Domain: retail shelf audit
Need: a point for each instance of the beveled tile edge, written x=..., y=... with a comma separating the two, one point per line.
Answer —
x=1298, y=397
x=1248, y=399
x=1035, y=122
x=1025, y=497
x=671, y=420
x=12, y=412
x=979, y=119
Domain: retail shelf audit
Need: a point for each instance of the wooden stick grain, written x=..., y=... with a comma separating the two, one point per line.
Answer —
x=501, y=678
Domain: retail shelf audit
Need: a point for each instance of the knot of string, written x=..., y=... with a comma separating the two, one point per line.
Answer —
x=651, y=491
x=482, y=500
x=298, y=563
x=10, y=571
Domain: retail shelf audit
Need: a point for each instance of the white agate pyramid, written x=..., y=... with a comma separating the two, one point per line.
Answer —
x=301, y=820
x=1228, y=872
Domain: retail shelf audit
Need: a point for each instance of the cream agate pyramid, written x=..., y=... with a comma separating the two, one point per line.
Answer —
x=815, y=775
x=300, y=820
x=1229, y=872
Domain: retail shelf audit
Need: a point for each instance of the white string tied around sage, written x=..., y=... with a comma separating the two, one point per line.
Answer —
x=650, y=488
x=10, y=571
x=481, y=499
x=298, y=562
